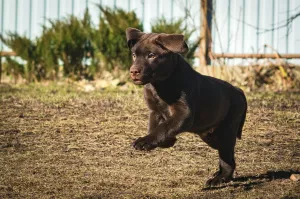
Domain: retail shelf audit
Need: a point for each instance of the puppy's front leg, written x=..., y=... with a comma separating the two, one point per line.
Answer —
x=163, y=134
x=147, y=142
x=154, y=119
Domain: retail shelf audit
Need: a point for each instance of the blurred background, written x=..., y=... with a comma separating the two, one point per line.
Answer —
x=43, y=39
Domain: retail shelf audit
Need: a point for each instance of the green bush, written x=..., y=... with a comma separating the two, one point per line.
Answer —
x=64, y=40
x=68, y=43
x=28, y=51
x=163, y=26
x=110, y=37
x=71, y=41
x=14, y=68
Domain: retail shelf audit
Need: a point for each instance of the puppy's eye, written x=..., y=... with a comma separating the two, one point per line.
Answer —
x=133, y=56
x=151, y=56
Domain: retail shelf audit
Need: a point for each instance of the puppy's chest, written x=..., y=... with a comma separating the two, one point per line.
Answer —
x=159, y=104
x=155, y=102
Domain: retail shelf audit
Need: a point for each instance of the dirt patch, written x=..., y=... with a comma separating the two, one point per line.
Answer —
x=71, y=144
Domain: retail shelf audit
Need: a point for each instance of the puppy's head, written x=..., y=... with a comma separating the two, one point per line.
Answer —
x=153, y=55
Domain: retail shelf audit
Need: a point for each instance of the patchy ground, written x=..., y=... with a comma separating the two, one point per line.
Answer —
x=58, y=142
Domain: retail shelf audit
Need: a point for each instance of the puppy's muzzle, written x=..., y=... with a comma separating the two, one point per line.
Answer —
x=135, y=72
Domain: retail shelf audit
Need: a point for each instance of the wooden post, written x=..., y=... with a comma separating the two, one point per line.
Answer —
x=205, y=32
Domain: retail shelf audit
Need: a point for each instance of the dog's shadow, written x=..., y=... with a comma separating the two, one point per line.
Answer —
x=248, y=182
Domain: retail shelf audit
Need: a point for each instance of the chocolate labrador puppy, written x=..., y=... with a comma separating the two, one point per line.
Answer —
x=182, y=100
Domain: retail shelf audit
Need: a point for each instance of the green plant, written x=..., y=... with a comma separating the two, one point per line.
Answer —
x=49, y=55
x=14, y=68
x=67, y=43
x=163, y=26
x=28, y=51
x=110, y=37
x=72, y=40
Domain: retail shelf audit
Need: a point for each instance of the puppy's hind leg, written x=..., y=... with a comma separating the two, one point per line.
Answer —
x=226, y=136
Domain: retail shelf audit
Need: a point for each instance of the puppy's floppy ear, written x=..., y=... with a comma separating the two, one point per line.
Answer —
x=133, y=35
x=172, y=42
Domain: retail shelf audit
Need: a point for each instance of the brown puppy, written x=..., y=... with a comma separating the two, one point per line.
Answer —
x=182, y=100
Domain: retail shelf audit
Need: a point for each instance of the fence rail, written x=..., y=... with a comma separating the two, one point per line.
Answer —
x=7, y=53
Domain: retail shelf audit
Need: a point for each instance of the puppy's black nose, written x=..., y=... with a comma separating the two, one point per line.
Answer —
x=134, y=71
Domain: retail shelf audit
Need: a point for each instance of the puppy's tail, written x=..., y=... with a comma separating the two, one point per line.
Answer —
x=239, y=133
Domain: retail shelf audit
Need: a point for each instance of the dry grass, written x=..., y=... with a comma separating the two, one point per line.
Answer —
x=58, y=142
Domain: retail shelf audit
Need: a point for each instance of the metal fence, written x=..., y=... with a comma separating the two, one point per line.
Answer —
x=245, y=26
x=238, y=26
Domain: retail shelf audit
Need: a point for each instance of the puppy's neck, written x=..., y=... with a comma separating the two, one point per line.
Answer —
x=180, y=69
x=171, y=89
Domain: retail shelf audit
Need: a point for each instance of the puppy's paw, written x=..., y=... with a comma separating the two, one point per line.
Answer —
x=146, y=143
x=169, y=142
x=218, y=179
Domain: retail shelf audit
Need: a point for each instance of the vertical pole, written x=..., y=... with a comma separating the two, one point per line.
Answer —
x=143, y=10
x=172, y=10
x=73, y=7
x=100, y=9
x=58, y=9
x=287, y=28
x=2, y=32
x=257, y=25
x=243, y=28
x=86, y=4
x=16, y=16
x=2, y=21
x=209, y=25
x=273, y=22
x=186, y=7
x=45, y=12
x=278, y=20
x=205, y=32
x=115, y=4
x=213, y=34
x=228, y=28
x=30, y=18
x=157, y=9
x=186, y=13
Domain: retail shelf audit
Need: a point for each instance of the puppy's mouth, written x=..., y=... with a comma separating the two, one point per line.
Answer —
x=138, y=82
x=145, y=79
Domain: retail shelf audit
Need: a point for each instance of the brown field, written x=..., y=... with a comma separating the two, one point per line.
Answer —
x=59, y=142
